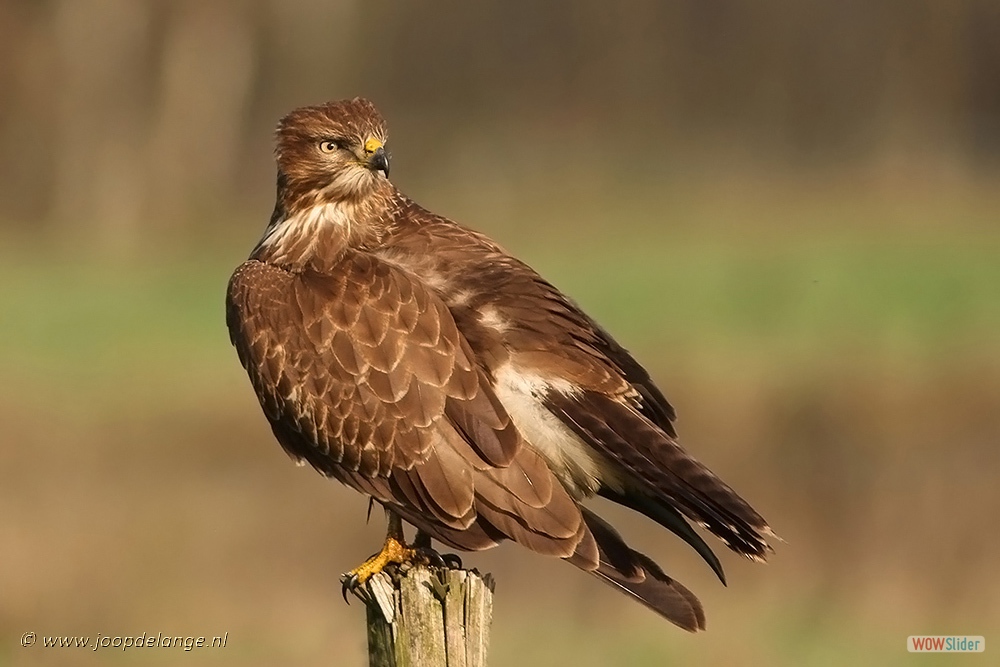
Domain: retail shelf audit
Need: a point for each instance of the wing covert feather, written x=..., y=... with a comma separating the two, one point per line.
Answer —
x=383, y=392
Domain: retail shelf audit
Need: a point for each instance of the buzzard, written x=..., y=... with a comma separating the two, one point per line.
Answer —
x=417, y=362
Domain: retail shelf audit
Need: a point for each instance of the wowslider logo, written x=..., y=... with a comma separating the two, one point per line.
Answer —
x=945, y=644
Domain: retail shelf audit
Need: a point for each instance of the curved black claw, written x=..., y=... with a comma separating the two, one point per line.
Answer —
x=429, y=557
x=452, y=561
x=432, y=558
x=349, y=583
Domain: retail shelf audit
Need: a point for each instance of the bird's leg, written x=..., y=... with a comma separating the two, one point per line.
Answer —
x=394, y=550
x=422, y=540
x=422, y=543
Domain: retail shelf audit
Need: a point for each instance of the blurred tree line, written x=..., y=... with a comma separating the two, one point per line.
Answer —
x=119, y=114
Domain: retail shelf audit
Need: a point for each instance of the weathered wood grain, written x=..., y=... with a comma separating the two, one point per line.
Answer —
x=429, y=617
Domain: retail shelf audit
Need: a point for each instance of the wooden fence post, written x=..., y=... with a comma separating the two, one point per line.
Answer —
x=429, y=617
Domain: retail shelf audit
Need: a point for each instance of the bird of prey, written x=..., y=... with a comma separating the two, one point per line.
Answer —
x=417, y=362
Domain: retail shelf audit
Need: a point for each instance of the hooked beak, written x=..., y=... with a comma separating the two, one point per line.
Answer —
x=378, y=159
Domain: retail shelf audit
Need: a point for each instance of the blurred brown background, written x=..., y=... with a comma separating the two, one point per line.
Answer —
x=788, y=210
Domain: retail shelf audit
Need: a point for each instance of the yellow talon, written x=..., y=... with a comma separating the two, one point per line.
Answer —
x=394, y=550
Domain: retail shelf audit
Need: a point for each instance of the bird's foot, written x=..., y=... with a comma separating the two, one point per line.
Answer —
x=393, y=551
x=395, y=558
x=431, y=558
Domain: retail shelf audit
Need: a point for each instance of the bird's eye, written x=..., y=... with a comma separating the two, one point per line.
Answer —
x=328, y=146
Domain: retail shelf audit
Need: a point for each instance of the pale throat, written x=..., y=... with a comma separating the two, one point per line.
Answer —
x=313, y=237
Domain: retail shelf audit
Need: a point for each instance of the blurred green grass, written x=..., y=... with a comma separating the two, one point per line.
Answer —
x=801, y=296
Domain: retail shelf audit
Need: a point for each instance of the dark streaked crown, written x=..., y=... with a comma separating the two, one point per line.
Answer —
x=344, y=119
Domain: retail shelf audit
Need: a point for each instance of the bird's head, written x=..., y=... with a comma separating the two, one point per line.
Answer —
x=331, y=153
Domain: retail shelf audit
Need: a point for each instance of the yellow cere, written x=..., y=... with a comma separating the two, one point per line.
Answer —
x=372, y=145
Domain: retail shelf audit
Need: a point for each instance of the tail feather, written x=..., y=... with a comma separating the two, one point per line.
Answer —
x=659, y=465
x=638, y=576
x=657, y=591
x=671, y=519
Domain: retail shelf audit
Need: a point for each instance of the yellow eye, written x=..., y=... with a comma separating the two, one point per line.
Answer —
x=328, y=146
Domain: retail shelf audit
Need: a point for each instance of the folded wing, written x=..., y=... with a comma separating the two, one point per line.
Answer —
x=364, y=374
